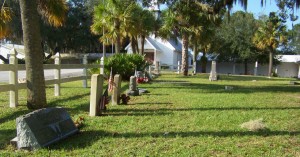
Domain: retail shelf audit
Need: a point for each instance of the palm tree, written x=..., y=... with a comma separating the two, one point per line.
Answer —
x=112, y=15
x=53, y=11
x=182, y=18
x=5, y=17
x=269, y=35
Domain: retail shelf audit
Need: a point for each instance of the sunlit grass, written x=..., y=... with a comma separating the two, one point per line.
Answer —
x=181, y=116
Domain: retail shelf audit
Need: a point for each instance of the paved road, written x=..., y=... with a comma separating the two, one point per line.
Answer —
x=49, y=74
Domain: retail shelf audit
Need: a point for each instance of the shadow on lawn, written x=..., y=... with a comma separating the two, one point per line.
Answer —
x=204, y=109
x=6, y=136
x=13, y=115
x=216, y=88
x=87, y=138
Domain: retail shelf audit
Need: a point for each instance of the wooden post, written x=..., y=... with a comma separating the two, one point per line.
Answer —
x=57, y=74
x=84, y=72
x=116, y=90
x=96, y=93
x=13, y=79
x=102, y=65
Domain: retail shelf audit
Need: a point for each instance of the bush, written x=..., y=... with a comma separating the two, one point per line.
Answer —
x=123, y=64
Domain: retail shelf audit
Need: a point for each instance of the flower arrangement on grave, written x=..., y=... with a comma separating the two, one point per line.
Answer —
x=79, y=122
x=125, y=98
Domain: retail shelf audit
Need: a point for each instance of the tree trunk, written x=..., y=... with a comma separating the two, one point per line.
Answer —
x=185, y=44
x=118, y=38
x=246, y=67
x=195, y=56
x=133, y=44
x=203, y=62
x=142, y=43
x=36, y=95
x=270, y=63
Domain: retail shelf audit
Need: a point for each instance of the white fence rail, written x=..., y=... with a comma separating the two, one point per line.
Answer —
x=15, y=84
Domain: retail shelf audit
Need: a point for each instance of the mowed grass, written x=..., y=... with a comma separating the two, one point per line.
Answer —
x=181, y=116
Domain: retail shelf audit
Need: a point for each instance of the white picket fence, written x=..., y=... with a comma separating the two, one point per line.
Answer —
x=14, y=85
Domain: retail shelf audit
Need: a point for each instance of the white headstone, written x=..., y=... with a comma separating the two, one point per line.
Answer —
x=213, y=72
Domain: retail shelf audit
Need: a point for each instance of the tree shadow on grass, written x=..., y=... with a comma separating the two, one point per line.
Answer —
x=204, y=109
x=13, y=115
x=217, y=88
x=85, y=139
x=152, y=103
x=6, y=136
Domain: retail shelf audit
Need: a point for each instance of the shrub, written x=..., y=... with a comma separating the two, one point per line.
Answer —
x=123, y=64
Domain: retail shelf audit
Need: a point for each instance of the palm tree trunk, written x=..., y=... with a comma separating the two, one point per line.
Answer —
x=195, y=56
x=185, y=44
x=270, y=63
x=142, y=44
x=246, y=67
x=203, y=62
x=133, y=44
x=36, y=95
x=118, y=38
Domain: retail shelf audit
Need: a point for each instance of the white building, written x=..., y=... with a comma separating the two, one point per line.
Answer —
x=289, y=67
x=5, y=50
x=167, y=52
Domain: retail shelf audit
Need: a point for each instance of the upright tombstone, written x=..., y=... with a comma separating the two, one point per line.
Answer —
x=116, y=90
x=132, y=87
x=255, y=68
x=96, y=93
x=213, y=72
x=157, y=67
x=43, y=127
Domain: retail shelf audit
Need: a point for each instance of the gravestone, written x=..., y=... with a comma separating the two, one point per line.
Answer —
x=116, y=90
x=96, y=92
x=213, y=72
x=132, y=87
x=43, y=127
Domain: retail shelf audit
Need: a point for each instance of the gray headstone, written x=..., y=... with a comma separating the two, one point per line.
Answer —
x=116, y=90
x=43, y=127
x=213, y=72
x=132, y=87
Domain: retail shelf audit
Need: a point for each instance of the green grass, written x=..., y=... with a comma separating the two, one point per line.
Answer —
x=181, y=116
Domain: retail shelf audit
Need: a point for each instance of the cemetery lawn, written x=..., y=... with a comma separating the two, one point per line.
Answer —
x=181, y=116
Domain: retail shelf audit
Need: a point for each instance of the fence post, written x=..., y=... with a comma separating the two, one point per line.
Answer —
x=178, y=67
x=13, y=79
x=57, y=74
x=102, y=65
x=96, y=93
x=84, y=72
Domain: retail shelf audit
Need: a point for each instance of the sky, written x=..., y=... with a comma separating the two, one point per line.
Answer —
x=255, y=7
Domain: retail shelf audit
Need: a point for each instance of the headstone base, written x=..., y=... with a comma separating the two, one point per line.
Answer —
x=133, y=92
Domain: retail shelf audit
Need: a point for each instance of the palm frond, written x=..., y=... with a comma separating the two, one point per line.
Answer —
x=5, y=18
x=54, y=11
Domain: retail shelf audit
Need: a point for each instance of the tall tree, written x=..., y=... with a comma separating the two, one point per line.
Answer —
x=235, y=37
x=111, y=15
x=53, y=12
x=182, y=19
x=268, y=37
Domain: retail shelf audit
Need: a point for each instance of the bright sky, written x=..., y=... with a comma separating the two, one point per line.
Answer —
x=255, y=7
